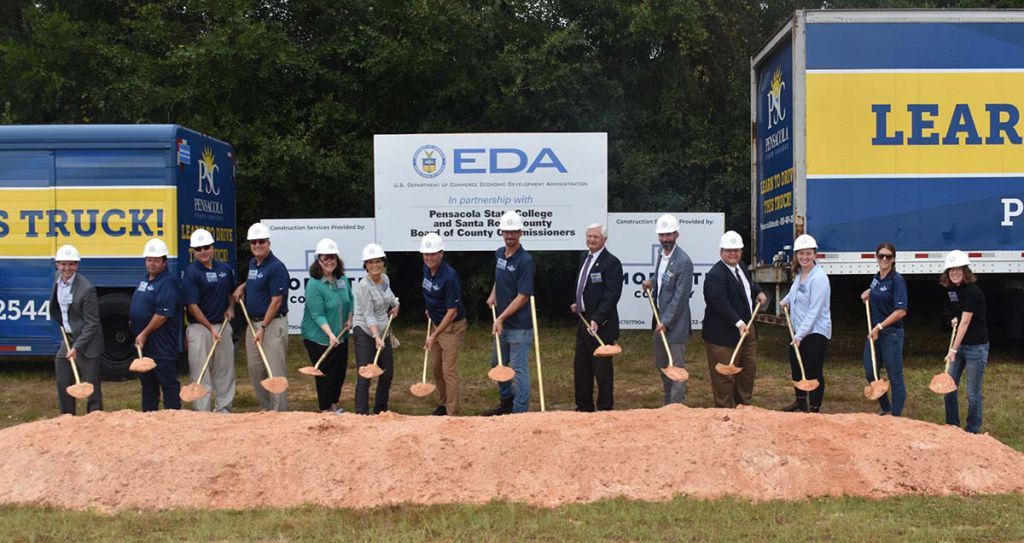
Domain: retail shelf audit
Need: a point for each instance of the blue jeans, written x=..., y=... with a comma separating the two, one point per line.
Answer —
x=974, y=358
x=515, y=353
x=889, y=353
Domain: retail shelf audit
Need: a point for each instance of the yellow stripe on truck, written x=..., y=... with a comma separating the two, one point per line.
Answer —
x=98, y=221
x=864, y=123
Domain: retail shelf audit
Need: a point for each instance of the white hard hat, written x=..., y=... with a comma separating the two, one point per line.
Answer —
x=667, y=224
x=431, y=243
x=373, y=251
x=67, y=253
x=258, y=231
x=327, y=246
x=804, y=241
x=511, y=222
x=730, y=240
x=955, y=259
x=155, y=248
x=200, y=238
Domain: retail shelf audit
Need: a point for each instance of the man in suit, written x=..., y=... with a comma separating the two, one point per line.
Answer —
x=75, y=308
x=671, y=287
x=730, y=296
x=598, y=287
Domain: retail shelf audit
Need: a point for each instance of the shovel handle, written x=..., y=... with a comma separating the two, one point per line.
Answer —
x=871, y=340
x=799, y=359
x=426, y=352
x=743, y=336
x=209, y=355
x=138, y=350
x=589, y=331
x=259, y=345
x=327, y=351
x=952, y=338
x=657, y=319
x=71, y=359
x=384, y=337
x=497, y=342
x=536, y=346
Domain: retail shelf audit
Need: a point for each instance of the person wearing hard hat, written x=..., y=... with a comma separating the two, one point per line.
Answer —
x=510, y=296
x=155, y=321
x=376, y=304
x=326, y=322
x=206, y=292
x=442, y=297
x=598, y=289
x=265, y=292
x=671, y=288
x=809, y=303
x=730, y=296
x=964, y=307
x=79, y=316
x=888, y=295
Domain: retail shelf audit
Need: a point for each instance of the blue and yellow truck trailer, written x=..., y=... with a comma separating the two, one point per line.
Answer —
x=105, y=189
x=890, y=125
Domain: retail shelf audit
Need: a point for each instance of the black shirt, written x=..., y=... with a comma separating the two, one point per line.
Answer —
x=968, y=297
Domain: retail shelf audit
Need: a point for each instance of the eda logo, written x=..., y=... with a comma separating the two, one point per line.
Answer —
x=428, y=161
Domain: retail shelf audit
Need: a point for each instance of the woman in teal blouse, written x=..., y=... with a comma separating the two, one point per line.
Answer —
x=326, y=322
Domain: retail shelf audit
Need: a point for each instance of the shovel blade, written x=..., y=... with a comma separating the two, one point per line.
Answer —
x=371, y=371
x=422, y=390
x=310, y=370
x=501, y=374
x=142, y=365
x=726, y=369
x=807, y=385
x=191, y=393
x=676, y=374
x=876, y=389
x=80, y=391
x=607, y=350
x=942, y=384
x=275, y=385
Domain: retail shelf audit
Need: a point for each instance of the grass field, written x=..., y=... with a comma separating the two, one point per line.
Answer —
x=27, y=393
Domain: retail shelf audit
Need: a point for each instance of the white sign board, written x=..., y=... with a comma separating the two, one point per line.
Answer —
x=458, y=185
x=632, y=238
x=293, y=241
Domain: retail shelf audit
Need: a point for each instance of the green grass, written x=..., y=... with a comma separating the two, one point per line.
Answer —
x=27, y=393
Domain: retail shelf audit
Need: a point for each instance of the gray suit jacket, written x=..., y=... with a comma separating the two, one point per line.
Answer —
x=84, y=317
x=673, y=301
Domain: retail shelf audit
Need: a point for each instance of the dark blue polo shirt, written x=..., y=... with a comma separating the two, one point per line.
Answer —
x=263, y=282
x=514, y=276
x=888, y=295
x=442, y=292
x=209, y=288
x=157, y=297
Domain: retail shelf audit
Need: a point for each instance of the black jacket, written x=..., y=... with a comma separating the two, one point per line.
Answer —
x=601, y=293
x=725, y=304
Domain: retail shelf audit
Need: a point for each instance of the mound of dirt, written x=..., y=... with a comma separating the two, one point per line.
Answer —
x=174, y=459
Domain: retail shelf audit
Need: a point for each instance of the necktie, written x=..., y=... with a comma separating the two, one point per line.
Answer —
x=582, y=283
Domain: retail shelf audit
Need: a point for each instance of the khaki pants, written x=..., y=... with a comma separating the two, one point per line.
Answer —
x=220, y=375
x=444, y=358
x=275, y=345
x=733, y=390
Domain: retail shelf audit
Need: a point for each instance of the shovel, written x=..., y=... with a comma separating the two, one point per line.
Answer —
x=78, y=390
x=423, y=389
x=142, y=364
x=670, y=371
x=536, y=346
x=314, y=370
x=877, y=388
x=731, y=369
x=943, y=383
x=370, y=371
x=500, y=373
x=603, y=350
x=196, y=390
x=803, y=384
x=274, y=385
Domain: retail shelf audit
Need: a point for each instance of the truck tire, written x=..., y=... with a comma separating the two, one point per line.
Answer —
x=117, y=336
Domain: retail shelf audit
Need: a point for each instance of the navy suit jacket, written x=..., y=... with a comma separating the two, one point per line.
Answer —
x=601, y=293
x=725, y=304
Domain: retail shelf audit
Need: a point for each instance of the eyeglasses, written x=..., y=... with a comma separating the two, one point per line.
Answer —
x=203, y=248
x=884, y=256
x=258, y=241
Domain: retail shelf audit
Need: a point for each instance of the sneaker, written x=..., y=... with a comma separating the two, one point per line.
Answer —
x=339, y=411
x=440, y=411
x=883, y=412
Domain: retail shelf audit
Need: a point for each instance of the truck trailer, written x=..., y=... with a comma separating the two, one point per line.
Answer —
x=106, y=189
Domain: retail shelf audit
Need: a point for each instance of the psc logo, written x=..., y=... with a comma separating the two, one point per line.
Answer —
x=207, y=167
x=428, y=161
x=775, y=112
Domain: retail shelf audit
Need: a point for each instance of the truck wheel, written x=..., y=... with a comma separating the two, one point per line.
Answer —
x=117, y=336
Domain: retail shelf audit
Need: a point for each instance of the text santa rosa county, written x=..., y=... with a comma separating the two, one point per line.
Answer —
x=485, y=223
